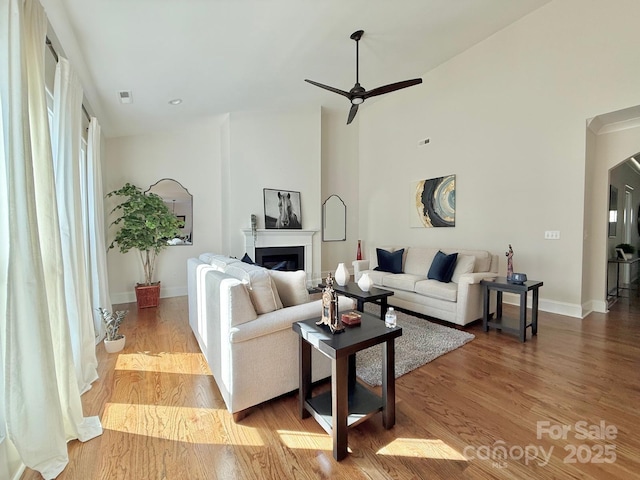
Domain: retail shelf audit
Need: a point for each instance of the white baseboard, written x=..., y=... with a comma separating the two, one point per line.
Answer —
x=130, y=297
x=551, y=306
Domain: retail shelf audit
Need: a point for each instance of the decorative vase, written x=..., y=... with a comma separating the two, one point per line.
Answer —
x=365, y=282
x=113, y=346
x=342, y=275
x=359, y=252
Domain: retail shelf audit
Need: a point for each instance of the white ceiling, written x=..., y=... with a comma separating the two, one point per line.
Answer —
x=223, y=56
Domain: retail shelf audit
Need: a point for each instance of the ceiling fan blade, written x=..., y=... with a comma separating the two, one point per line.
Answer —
x=331, y=89
x=352, y=113
x=392, y=87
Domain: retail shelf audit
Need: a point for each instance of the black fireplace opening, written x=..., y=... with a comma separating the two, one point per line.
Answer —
x=288, y=259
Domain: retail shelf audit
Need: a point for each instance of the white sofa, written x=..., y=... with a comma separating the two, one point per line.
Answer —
x=241, y=315
x=458, y=301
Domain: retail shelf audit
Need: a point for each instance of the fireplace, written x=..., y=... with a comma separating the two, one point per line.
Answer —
x=286, y=258
x=254, y=241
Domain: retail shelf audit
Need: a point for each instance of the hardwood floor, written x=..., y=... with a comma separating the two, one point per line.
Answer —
x=163, y=416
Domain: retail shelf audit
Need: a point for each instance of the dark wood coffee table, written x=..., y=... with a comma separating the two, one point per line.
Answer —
x=352, y=290
x=348, y=403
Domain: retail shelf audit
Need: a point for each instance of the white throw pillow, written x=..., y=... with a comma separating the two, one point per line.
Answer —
x=291, y=286
x=464, y=264
x=262, y=290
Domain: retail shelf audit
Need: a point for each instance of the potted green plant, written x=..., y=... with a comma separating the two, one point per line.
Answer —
x=114, y=341
x=627, y=248
x=145, y=224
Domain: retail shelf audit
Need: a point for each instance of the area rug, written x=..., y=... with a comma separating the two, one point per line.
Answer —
x=421, y=342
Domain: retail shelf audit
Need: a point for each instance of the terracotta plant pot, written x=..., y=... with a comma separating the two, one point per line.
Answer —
x=113, y=346
x=148, y=295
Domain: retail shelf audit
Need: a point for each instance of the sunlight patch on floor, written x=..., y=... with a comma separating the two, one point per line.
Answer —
x=164, y=362
x=182, y=424
x=421, y=448
x=306, y=440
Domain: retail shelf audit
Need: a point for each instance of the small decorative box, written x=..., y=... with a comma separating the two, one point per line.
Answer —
x=351, y=319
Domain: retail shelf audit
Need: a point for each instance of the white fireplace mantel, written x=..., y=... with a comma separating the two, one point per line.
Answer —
x=281, y=238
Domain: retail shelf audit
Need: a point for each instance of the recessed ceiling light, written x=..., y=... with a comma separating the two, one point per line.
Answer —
x=175, y=101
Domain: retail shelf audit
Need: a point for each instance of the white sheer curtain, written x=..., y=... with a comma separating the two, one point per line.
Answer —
x=42, y=405
x=97, y=239
x=65, y=141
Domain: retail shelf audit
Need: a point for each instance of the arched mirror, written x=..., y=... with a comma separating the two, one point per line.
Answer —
x=334, y=220
x=180, y=202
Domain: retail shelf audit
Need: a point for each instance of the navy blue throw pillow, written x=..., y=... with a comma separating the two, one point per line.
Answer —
x=247, y=259
x=389, y=261
x=442, y=267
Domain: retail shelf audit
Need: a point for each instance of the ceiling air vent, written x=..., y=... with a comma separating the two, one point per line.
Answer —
x=125, y=96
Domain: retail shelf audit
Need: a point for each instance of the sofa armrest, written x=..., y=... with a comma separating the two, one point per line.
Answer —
x=359, y=266
x=472, y=278
x=282, y=319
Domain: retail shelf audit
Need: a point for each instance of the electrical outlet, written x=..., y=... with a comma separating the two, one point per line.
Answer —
x=552, y=235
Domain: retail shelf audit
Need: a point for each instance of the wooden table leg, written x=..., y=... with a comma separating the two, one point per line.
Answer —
x=523, y=317
x=305, y=376
x=360, y=305
x=351, y=376
x=388, y=384
x=384, y=305
x=339, y=406
x=485, y=308
x=534, y=313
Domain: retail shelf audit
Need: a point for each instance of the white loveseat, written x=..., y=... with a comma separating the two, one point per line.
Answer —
x=458, y=301
x=241, y=315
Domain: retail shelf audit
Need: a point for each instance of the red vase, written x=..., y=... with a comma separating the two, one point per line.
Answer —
x=359, y=253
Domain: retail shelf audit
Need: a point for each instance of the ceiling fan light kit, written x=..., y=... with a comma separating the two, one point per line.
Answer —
x=358, y=94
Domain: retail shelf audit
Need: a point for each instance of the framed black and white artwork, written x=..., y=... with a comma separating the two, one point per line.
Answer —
x=282, y=209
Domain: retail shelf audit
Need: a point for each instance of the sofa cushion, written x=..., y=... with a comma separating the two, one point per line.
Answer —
x=437, y=289
x=442, y=267
x=402, y=281
x=389, y=261
x=377, y=276
x=292, y=287
x=464, y=264
x=418, y=260
x=483, y=258
x=219, y=261
x=262, y=290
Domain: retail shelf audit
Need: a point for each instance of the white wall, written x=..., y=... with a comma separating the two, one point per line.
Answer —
x=276, y=150
x=224, y=162
x=340, y=177
x=190, y=155
x=508, y=118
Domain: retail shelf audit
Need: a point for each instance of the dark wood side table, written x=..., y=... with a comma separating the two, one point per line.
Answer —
x=348, y=403
x=516, y=326
x=352, y=290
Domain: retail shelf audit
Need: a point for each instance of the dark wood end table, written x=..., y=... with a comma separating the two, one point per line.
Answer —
x=348, y=403
x=519, y=326
x=352, y=290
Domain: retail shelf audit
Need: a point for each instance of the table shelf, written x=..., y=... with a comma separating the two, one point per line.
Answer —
x=507, y=324
x=363, y=404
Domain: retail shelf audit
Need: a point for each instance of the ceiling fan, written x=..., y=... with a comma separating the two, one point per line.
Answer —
x=358, y=94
